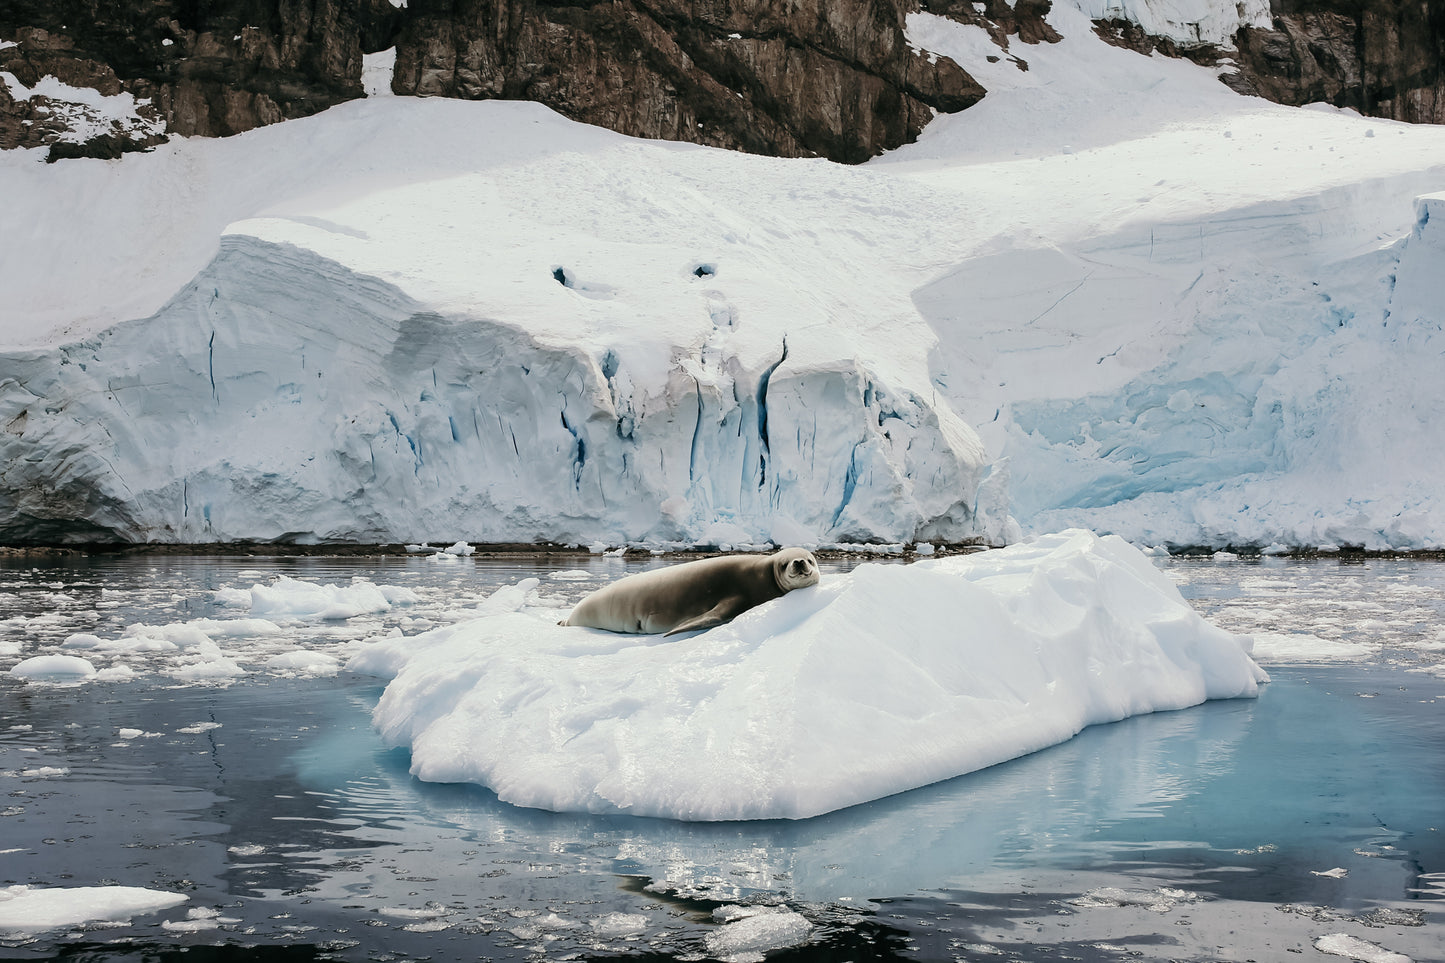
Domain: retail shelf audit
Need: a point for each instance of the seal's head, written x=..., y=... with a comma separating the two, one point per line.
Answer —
x=795, y=568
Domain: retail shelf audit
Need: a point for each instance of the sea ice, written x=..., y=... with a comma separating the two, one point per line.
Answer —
x=746, y=936
x=1354, y=948
x=293, y=598
x=33, y=909
x=877, y=681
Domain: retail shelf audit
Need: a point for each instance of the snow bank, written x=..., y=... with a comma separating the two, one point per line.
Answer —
x=28, y=909
x=874, y=682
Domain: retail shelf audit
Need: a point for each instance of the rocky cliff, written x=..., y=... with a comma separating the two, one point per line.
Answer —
x=1381, y=57
x=818, y=77
x=175, y=66
x=831, y=78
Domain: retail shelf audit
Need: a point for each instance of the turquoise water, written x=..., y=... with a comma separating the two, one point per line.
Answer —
x=1248, y=829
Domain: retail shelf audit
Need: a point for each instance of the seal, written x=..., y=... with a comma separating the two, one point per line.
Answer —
x=694, y=595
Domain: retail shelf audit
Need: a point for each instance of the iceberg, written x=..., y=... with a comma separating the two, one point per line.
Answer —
x=873, y=682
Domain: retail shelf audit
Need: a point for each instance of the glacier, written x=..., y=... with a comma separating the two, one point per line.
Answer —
x=1113, y=294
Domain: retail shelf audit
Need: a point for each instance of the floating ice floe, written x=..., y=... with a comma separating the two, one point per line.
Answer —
x=1354, y=948
x=33, y=909
x=874, y=682
x=54, y=668
x=748, y=932
x=290, y=598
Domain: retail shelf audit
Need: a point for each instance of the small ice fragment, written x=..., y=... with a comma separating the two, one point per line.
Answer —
x=620, y=924
x=1354, y=948
x=1160, y=900
x=247, y=850
x=1339, y=872
x=304, y=662
x=752, y=936
x=197, y=919
x=459, y=548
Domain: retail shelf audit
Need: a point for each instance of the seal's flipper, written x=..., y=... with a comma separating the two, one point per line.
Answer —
x=717, y=615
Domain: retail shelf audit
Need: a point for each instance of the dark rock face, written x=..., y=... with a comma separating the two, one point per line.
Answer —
x=815, y=77
x=1385, y=58
x=1024, y=19
x=831, y=78
x=1131, y=36
x=207, y=68
x=819, y=77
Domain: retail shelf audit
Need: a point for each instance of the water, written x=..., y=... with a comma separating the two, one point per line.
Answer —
x=1247, y=829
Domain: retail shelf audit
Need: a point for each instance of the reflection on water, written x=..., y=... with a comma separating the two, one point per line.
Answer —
x=1235, y=829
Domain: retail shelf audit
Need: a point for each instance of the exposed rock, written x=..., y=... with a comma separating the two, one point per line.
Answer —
x=76, y=107
x=210, y=69
x=1023, y=19
x=817, y=77
x=1382, y=57
x=1131, y=36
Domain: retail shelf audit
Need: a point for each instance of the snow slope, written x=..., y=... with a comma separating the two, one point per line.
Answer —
x=1113, y=294
x=871, y=683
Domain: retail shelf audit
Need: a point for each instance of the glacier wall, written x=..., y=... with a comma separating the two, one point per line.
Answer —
x=1271, y=377
x=283, y=396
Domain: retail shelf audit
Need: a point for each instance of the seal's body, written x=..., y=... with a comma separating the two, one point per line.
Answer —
x=694, y=595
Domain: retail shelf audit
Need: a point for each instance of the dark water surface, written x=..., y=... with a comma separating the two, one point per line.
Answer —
x=1261, y=829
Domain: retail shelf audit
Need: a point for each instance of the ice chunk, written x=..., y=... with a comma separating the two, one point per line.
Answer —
x=53, y=668
x=304, y=662
x=749, y=935
x=871, y=683
x=619, y=924
x=1354, y=948
x=294, y=599
x=27, y=909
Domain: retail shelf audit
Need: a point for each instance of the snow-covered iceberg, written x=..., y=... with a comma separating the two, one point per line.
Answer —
x=877, y=681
